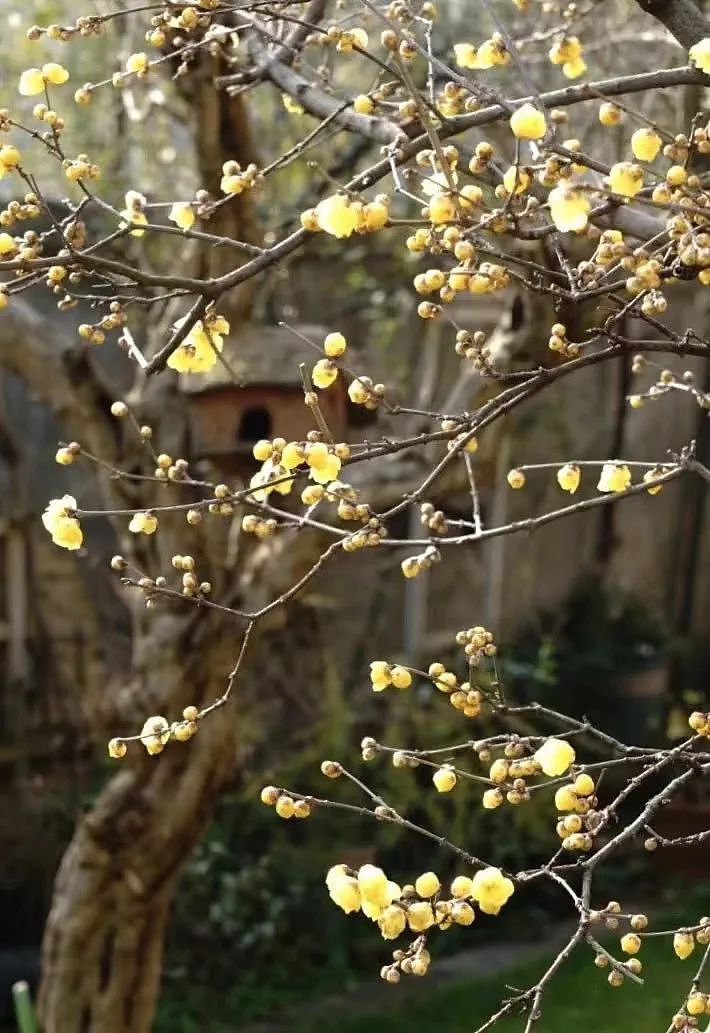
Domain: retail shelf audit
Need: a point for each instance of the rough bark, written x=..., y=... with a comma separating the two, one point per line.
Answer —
x=103, y=943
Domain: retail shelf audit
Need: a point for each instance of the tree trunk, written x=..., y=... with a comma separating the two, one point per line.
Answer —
x=103, y=943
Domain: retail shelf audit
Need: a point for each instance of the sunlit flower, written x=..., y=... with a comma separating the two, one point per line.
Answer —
x=569, y=209
x=155, y=733
x=34, y=80
x=491, y=889
x=645, y=144
x=198, y=352
x=58, y=518
x=625, y=178
x=683, y=945
x=337, y=216
x=183, y=215
x=614, y=477
x=343, y=889
x=324, y=373
x=699, y=55
x=568, y=477
x=143, y=523
x=528, y=122
x=555, y=756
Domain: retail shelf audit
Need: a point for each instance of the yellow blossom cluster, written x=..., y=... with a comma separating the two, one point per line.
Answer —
x=383, y=674
x=489, y=54
x=157, y=732
x=576, y=817
x=568, y=53
x=235, y=180
x=36, y=80
x=340, y=216
x=421, y=905
x=412, y=566
x=197, y=353
x=285, y=806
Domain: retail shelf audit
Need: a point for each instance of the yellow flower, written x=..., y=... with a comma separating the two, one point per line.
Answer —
x=54, y=73
x=374, y=886
x=31, y=82
x=565, y=798
x=649, y=477
x=137, y=63
x=380, y=675
x=34, y=80
x=614, y=478
x=492, y=54
x=375, y=216
x=462, y=913
x=645, y=144
x=444, y=779
x=699, y=55
x=9, y=156
x=516, y=478
x=427, y=885
x=337, y=216
x=631, y=943
x=360, y=390
x=343, y=889
x=183, y=215
x=568, y=477
x=334, y=345
x=155, y=733
x=683, y=945
x=352, y=37
x=465, y=55
x=363, y=104
x=392, y=922
x=625, y=178
x=555, y=756
x=143, y=523
x=7, y=245
x=462, y=886
x=64, y=528
x=568, y=209
x=491, y=889
x=516, y=180
x=584, y=784
x=492, y=798
x=442, y=208
x=420, y=916
x=117, y=749
x=528, y=122
x=564, y=50
x=293, y=455
x=198, y=352
x=324, y=373
x=609, y=114
x=401, y=678
x=136, y=219
x=573, y=69
x=325, y=465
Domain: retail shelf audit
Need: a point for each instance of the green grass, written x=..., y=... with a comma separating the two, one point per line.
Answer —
x=578, y=998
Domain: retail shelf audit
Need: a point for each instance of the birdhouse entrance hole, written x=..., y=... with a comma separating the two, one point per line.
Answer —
x=254, y=425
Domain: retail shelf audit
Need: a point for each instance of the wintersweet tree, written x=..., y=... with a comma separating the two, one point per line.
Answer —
x=486, y=169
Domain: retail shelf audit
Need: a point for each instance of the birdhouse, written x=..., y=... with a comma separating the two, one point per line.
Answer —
x=256, y=391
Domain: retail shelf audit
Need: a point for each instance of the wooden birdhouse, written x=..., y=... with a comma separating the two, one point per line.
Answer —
x=255, y=392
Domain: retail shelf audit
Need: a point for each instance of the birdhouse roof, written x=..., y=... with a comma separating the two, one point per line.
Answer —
x=257, y=356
